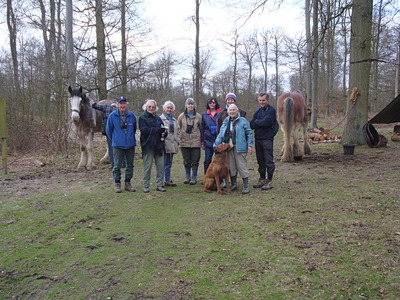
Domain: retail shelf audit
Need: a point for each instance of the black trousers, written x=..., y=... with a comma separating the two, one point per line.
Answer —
x=265, y=158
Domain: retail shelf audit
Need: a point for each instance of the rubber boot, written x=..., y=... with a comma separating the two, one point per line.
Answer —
x=193, y=180
x=187, y=176
x=233, y=183
x=246, y=188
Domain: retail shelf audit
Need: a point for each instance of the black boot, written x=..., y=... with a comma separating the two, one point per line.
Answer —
x=233, y=183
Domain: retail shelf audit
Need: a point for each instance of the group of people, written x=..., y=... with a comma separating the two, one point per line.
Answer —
x=161, y=137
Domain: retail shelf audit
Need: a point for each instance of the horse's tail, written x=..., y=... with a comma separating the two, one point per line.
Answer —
x=288, y=114
x=287, y=124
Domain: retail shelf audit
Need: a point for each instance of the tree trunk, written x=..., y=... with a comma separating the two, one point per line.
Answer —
x=71, y=69
x=197, y=53
x=360, y=67
x=309, y=51
x=101, y=51
x=124, y=70
x=12, y=29
x=315, y=68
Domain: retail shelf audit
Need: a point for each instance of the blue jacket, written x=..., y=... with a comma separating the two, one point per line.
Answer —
x=243, y=134
x=263, y=123
x=121, y=138
x=209, y=128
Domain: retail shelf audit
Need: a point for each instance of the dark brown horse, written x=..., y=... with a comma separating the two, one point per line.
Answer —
x=292, y=115
x=86, y=121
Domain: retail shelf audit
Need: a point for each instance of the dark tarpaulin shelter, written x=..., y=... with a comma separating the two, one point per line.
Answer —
x=390, y=114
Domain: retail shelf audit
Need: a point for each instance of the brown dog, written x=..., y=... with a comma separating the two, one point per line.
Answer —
x=217, y=171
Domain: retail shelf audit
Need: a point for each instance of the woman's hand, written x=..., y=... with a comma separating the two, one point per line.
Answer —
x=250, y=150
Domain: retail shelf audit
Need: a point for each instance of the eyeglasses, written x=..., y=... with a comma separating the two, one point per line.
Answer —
x=211, y=102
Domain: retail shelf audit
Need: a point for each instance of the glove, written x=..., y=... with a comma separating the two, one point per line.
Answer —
x=161, y=130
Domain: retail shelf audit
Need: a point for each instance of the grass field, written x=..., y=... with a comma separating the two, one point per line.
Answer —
x=329, y=229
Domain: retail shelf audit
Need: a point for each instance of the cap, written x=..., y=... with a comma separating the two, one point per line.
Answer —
x=122, y=98
x=230, y=95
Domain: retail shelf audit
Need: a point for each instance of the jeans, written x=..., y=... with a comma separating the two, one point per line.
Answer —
x=110, y=151
x=119, y=155
x=168, y=157
x=208, y=152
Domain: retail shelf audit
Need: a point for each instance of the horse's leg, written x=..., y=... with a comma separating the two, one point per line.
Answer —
x=307, y=149
x=287, y=149
x=297, y=152
x=82, y=144
x=90, y=156
x=105, y=159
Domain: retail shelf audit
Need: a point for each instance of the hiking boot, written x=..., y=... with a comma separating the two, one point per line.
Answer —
x=261, y=182
x=193, y=180
x=169, y=183
x=246, y=188
x=117, y=188
x=129, y=187
x=161, y=189
x=187, y=179
x=146, y=190
x=267, y=185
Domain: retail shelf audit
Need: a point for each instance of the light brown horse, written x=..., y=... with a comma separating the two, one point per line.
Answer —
x=292, y=115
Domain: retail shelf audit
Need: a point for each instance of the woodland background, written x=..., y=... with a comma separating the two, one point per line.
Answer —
x=104, y=46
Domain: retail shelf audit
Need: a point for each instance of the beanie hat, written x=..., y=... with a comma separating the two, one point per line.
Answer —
x=230, y=95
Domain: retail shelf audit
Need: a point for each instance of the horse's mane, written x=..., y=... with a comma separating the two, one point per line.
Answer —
x=85, y=98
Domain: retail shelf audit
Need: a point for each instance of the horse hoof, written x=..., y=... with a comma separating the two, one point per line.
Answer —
x=91, y=168
x=297, y=158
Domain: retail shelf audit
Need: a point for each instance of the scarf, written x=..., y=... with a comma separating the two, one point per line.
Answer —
x=171, y=121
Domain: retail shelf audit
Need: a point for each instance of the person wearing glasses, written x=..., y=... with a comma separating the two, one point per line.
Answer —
x=152, y=139
x=121, y=129
x=209, y=125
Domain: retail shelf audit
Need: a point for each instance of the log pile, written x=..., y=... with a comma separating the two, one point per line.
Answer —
x=321, y=135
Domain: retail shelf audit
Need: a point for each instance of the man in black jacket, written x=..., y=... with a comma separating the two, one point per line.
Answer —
x=264, y=123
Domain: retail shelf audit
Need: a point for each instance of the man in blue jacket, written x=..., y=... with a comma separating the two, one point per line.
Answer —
x=264, y=125
x=121, y=129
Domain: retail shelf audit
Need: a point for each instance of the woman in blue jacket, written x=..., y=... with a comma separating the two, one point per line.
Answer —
x=121, y=129
x=236, y=131
x=209, y=125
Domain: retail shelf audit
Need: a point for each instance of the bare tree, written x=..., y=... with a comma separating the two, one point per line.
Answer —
x=13, y=31
x=360, y=65
x=248, y=52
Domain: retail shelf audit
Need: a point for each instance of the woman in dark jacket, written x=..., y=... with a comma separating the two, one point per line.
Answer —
x=152, y=135
x=209, y=125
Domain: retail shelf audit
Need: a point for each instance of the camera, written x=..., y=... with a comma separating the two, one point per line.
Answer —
x=189, y=129
x=123, y=125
